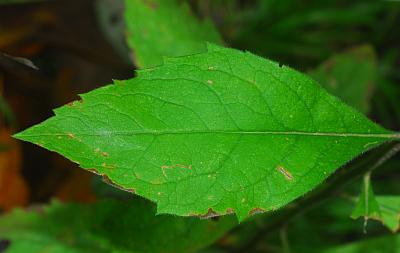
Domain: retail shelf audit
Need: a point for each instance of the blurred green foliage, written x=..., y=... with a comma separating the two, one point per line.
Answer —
x=107, y=226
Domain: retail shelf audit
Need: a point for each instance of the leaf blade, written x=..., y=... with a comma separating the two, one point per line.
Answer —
x=218, y=132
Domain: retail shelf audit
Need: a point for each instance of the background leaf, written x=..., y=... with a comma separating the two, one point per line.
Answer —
x=212, y=133
x=159, y=28
x=387, y=244
x=350, y=76
x=367, y=206
x=382, y=208
x=107, y=226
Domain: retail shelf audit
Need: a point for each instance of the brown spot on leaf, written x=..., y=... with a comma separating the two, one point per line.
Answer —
x=104, y=154
x=210, y=214
x=73, y=103
x=285, y=172
x=107, y=180
x=94, y=171
x=256, y=210
x=107, y=166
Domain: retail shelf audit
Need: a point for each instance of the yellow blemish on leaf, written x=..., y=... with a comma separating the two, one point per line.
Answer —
x=73, y=137
x=285, y=172
x=164, y=167
x=107, y=166
x=105, y=154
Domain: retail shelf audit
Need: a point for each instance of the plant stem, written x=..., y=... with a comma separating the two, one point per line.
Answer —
x=284, y=240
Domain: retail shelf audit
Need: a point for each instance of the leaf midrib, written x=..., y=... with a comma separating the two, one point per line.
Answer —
x=172, y=132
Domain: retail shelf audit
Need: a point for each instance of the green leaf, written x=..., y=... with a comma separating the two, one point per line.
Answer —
x=107, y=226
x=390, y=211
x=382, y=208
x=367, y=206
x=386, y=244
x=349, y=76
x=158, y=28
x=212, y=133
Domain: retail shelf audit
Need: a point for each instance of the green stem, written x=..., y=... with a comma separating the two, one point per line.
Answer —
x=284, y=240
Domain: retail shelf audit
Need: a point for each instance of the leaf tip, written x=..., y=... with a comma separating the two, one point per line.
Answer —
x=19, y=136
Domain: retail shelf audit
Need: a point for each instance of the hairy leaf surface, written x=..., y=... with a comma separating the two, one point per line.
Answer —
x=213, y=133
x=158, y=28
x=107, y=226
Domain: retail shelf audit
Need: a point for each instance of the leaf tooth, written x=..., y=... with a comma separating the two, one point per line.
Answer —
x=118, y=82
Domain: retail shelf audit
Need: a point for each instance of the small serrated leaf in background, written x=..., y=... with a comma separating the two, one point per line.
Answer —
x=383, y=208
x=367, y=206
x=159, y=28
x=350, y=76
